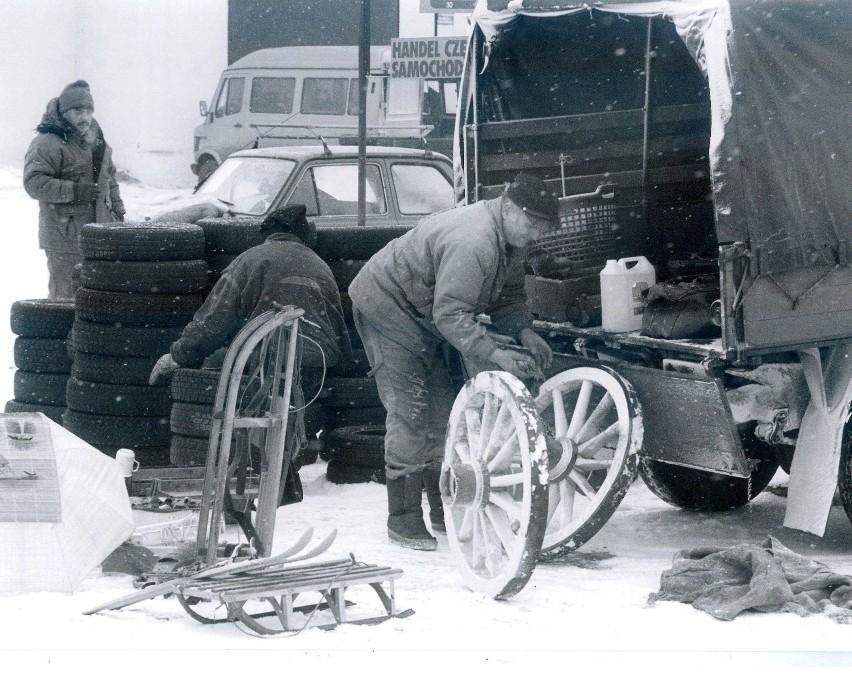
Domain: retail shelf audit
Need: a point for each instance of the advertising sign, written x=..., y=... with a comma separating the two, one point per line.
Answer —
x=432, y=57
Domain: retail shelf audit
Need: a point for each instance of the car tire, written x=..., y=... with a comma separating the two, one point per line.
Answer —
x=42, y=355
x=52, y=412
x=141, y=241
x=338, y=472
x=102, y=430
x=188, y=451
x=231, y=236
x=44, y=318
x=40, y=388
x=115, y=340
x=118, y=400
x=352, y=392
x=358, y=445
x=133, y=370
x=174, y=276
x=191, y=420
x=136, y=309
x=340, y=417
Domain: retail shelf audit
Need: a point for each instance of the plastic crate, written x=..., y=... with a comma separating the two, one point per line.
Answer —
x=587, y=236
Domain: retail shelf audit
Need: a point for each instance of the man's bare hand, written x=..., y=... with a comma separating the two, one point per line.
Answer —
x=519, y=364
x=540, y=349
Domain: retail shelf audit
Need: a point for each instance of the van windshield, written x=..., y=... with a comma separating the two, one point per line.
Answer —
x=248, y=184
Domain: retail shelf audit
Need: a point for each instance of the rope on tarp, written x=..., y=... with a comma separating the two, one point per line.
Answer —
x=794, y=300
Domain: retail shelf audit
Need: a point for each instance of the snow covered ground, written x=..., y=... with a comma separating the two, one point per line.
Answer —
x=588, y=611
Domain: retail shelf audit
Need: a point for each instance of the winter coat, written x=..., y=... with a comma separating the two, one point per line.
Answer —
x=429, y=284
x=281, y=271
x=56, y=159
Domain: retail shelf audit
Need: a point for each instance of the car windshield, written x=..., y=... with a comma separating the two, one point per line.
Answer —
x=248, y=184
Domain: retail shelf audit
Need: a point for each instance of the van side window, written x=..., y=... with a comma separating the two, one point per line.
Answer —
x=421, y=189
x=272, y=95
x=324, y=95
x=333, y=190
x=352, y=108
x=230, y=100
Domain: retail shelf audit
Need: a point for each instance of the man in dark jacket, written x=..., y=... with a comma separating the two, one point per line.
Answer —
x=69, y=169
x=281, y=271
x=424, y=290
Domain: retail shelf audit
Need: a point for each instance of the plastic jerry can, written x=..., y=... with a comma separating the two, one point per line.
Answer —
x=622, y=283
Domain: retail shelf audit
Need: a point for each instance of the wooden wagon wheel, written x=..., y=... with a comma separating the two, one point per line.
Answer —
x=493, y=484
x=594, y=418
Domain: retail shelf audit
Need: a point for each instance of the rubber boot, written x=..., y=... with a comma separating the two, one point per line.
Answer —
x=405, y=513
x=431, y=479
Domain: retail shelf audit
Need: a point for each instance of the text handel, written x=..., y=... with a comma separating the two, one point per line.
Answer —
x=428, y=57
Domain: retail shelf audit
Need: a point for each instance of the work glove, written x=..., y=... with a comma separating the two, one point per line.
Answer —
x=163, y=370
x=519, y=364
x=540, y=350
x=86, y=193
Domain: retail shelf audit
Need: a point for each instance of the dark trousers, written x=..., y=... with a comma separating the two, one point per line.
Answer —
x=418, y=395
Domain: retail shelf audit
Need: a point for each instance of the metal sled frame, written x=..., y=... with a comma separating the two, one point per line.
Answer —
x=273, y=336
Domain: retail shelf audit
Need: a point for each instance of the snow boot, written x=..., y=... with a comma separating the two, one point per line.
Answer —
x=431, y=479
x=405, y=513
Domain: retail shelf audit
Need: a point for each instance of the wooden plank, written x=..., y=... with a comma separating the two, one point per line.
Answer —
x=823, y=311
x=598, y=121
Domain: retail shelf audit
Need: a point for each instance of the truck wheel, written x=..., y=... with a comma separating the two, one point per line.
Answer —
x=701, y=490
x=844, y=479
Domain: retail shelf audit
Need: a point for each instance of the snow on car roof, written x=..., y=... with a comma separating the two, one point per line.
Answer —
x=301, y=152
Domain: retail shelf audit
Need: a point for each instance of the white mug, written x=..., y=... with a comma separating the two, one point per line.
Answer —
x=127, y=460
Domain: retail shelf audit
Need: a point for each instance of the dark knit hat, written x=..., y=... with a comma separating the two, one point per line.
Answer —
x=76, y=95
x=533, y=196
x=291, y=220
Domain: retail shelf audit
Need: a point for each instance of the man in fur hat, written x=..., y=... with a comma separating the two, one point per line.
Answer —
x=69, y=170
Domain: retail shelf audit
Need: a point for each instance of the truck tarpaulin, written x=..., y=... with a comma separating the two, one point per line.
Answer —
x=780, y=83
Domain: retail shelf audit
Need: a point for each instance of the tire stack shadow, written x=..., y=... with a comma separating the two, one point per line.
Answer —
x=141, y=284
x=41, y=356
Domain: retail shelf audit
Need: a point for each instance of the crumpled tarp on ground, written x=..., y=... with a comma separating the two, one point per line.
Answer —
x=724, y=582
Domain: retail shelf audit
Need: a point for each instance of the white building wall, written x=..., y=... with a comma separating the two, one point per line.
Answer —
x=148, y=63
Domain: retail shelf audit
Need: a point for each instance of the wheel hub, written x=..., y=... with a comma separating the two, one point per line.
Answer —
x=464, y=484
x=561, y=457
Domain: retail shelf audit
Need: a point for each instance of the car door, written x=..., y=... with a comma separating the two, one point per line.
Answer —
x=419, y=188
x=329, y=190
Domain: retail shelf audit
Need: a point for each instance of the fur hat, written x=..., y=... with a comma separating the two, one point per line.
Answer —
x=76, y=95
x=533, y=196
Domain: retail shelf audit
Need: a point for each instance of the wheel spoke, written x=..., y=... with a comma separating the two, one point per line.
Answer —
x=567, y=490
x=493, y=553
x=505, y=453
x=581, y=408
x=593, y=423
x=505, y=502
x=489, y=415
x=560, y=422
x=583, y=484
x=554, y=497
x=466, y=527
x=500, y=425
x=594, y=445
x=501, y=527
x=588, y=465
x=508, y=480
x=462, y=451
x=474, y=441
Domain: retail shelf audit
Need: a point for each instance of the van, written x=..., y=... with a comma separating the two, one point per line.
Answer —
x=284, y=96
x=298, y=95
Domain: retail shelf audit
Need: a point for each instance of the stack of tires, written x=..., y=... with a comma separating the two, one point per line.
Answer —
x=41, y=356
x=354, y=417
x=141, y=284
x=224, y=239
x=193, y=394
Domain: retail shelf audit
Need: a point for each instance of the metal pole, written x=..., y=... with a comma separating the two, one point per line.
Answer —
x=363, y=71
x=646, y=120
